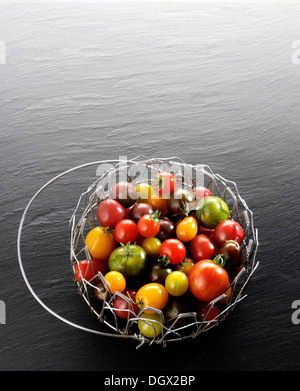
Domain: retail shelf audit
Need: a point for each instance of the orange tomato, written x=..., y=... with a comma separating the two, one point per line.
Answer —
x=187, y=229
x=100, y=243
x=115, y=281
x=152, y=295
x=159, y=202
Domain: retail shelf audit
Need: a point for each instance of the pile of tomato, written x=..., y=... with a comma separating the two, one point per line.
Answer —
x=165, y=248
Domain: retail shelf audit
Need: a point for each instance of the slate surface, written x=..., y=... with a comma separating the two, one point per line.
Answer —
x=211, y=83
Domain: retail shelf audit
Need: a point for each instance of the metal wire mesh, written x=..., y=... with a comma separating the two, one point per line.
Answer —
x=84, y=219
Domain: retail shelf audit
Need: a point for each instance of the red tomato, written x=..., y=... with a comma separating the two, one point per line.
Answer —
x=206, y=231
x=228, y=230
x=148, y=225
x=126, y=309
x=201, y=192
x=202, y=247
x=207, y=312
x=126, y=231
x=90, y=269
x=207, y=281
x=110, y=212
x=164, y=183
x=174, y=250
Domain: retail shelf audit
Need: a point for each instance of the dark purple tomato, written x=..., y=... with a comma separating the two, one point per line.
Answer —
x=167, y=230
x=139, y=210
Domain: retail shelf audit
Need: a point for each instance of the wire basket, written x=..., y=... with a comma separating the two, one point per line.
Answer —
x=139, y=170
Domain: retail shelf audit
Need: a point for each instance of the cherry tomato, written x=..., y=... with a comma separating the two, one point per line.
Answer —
x=185, y=266
x=159, y=202
x=232, y=255
x=201, y=192
x=167, y=229
x=144, y=192
x=210, y=211
x=148, y=225
x=228, y=230
x=187, y=229
x=115, y=281
x=202, y=247
x=179, y=203
x=150, y=325
x=129, y=259
x=89, y=270
x=207, y=312
x=140, y=209
x=175, y=307
x=177, y=283
x=206, y=231
x=159, y=272
x=164, y=183
x=100, y=291
x=207, y=281
x=125, y=193
x=152, y=295
x=126, y=308
x=126, y=231
x=100, y=242
x=109, y=212
x=152, y=247
x=174, y=250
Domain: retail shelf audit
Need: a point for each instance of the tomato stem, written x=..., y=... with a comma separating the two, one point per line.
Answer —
x=219, y=260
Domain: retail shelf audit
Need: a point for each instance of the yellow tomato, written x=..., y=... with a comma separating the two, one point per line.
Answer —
x=150, y=327
x=100, y=243
x=144, y=191
x=187, y=229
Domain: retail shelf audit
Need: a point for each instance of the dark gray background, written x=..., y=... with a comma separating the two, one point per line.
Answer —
x=210, y=82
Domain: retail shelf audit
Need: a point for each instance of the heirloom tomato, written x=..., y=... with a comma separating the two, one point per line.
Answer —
x=129, y=259
x=228, y=230
x=126, y=231
x=207, y=281
x=144, y=192
x=152, y=246
x=153, y=295
x=115, y=281
x=89, y=270
x=187, y=229
x=100, y=242
x=110, y=212
x=174, y=250
x=202, y=247
x=150, y=325
x=126, y=308
x=177, y=283
x=164, y=183
x=139, y=210
x=210, y=211
x=148, y=225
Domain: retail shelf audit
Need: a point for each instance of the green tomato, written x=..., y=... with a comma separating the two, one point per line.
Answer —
x=130, y=260
x=149, y=327
x=210, y=211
